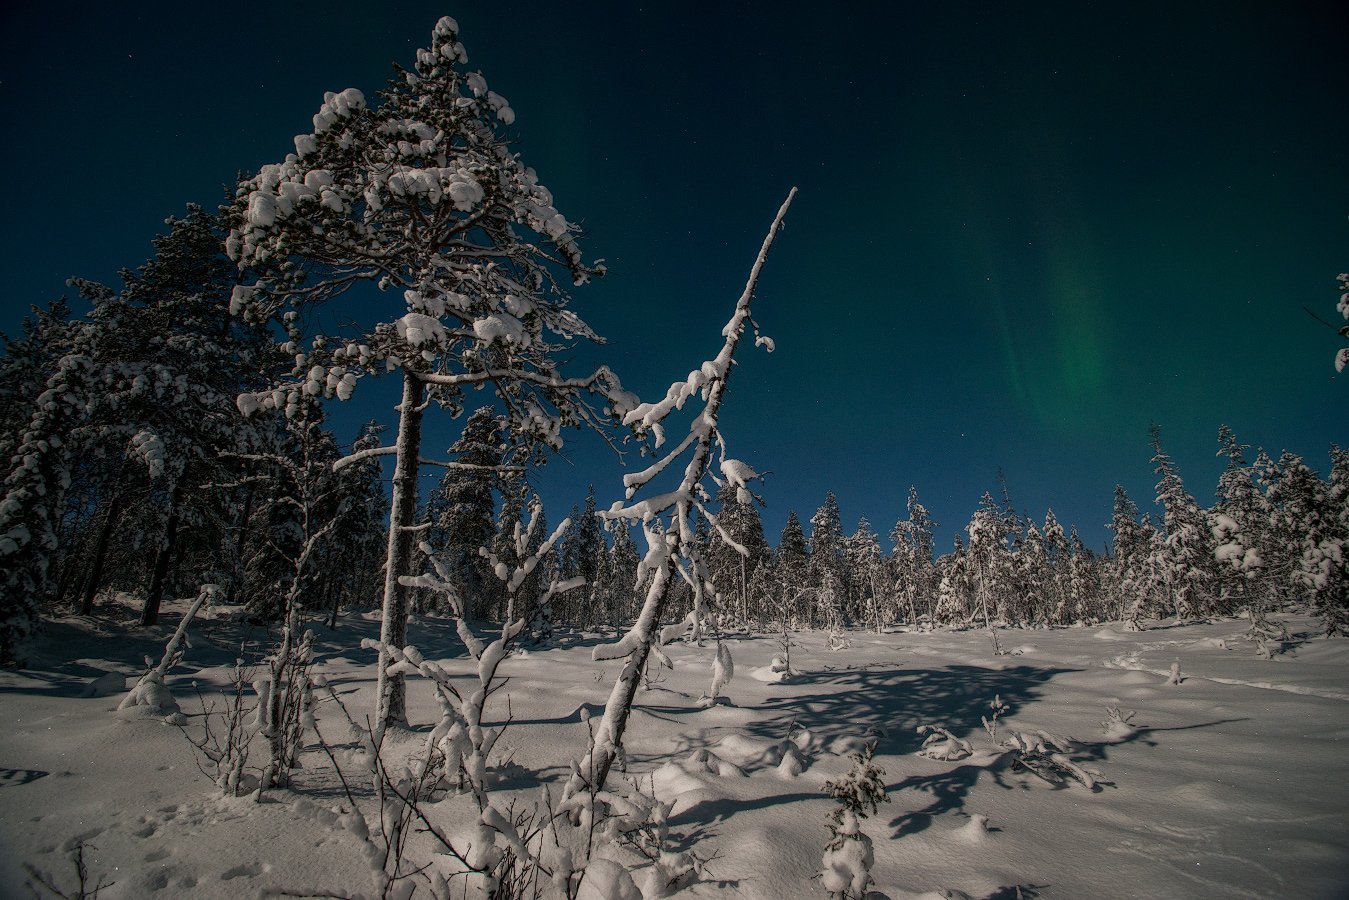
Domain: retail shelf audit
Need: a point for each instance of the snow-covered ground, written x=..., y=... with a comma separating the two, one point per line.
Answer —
x=1233, y=783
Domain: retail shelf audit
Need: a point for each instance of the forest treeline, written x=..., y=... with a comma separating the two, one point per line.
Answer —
x=170, y=485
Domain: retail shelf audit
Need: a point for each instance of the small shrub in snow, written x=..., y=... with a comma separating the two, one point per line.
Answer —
x=849, y=855
x=1175, y=677
x=285, y=702
x=1116, y=724
x=999, y=710
x=1045, y=755
x=1270, y=638
x=1038, y=752
x=838, y=640
x=942, y=745
x=222, y=749
x=83, y=890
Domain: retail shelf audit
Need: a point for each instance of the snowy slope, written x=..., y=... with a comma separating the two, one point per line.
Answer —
x=1233, y=783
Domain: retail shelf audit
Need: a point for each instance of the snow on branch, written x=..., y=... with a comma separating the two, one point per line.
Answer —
x=665, y=523
x=360, y=455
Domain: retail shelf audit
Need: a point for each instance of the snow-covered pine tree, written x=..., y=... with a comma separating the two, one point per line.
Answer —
x=1309, y=532
x=730, y=570
x=148, y=376
x=828, y=565
x=956, y=601
x=1239, y=522
x=423, y=196
x=791, y=572
x=1184, y=559
x=869, y=599
x=911, y=562
x=461, y=510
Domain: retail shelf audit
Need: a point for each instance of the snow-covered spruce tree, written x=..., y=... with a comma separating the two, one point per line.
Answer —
x=828, y=567
x=26, y=362
x=582, y=554
x=990, y=562
x=461, y=511
x=791, y=568
x=732, y=571
x=421, y=195
x=1310, y=533
x=1057, y=578
x=955, y=597
x=869, y=600
x=667, y=522
x=622, y=589
x=1184, y=560
x=1328, y=566
x=1126, y=573
x=352, y=561
x=1083, y=582
x=911, y=562
x=1039, y=594
x=849, y=855
x=1239, y=522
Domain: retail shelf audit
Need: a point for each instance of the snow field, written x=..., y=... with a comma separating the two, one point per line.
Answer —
x=1230, y=784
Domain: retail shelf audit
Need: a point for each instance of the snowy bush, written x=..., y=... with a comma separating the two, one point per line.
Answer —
x=942, y=745
x=1045, y=755
x=849, y=856
x=224, y=744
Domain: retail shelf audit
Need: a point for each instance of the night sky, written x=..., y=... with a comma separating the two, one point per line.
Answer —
x=1024, y=231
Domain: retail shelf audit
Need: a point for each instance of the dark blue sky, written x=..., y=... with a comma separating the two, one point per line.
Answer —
x=1024, y=231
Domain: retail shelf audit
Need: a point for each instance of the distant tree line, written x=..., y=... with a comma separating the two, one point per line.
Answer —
x=1273, y=540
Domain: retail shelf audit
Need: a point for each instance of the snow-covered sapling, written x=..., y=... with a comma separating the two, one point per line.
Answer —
x=849, y=855
x=723, y=670
x=1175, y=677
x=1270, y=637
x=460, y=739
x=150, y=691
x=991, y=725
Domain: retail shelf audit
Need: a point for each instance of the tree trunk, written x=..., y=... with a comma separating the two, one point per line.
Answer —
x=155, y=598
x=592, y=773
x=335, y=590
x=240, y=541
x=95, y=577
x=391, y=703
